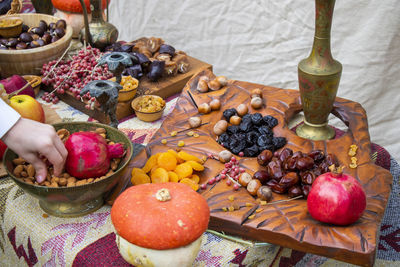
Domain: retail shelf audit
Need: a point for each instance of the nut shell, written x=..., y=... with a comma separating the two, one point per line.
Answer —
x=256, y=102
x=242, y=110
x=220, y=127
x=204, y=108
x=215, y=104
x=214, y=85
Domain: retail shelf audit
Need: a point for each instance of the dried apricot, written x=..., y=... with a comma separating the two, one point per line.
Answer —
x=195, y=165
x=150, y=163
x=191, y=183
x=195, y=178
x=140, y=178
x=167, y=161
x=186, y=156
x=178, y=159
x=136, y=171
x=184, y=170
x=160, y=175
x=173, y=177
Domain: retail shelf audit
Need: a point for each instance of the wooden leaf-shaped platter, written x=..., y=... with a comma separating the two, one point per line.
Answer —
x=287, y=223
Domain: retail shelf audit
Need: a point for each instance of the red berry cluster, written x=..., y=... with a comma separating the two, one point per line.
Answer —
x=72, y=75
x=231, y=171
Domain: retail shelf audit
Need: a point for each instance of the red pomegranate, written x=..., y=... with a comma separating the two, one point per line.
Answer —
x=336, y=198
x=89, y=155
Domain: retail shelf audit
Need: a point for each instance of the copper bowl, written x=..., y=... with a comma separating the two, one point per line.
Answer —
x=76, y=200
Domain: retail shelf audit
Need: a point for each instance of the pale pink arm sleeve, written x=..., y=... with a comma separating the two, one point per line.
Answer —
x=8, y=117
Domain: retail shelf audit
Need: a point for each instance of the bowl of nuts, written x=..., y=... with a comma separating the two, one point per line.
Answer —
x=43, y=39
x=148, y=107
x=68, y=195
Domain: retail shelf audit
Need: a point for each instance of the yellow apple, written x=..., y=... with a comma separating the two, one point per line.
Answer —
x=28, y=107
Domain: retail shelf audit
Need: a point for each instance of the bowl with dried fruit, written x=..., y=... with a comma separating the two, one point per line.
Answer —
x=148, y=107
x=103, y=154
x=129, y=88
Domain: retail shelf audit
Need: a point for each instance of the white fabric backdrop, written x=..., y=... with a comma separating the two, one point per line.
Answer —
x=263, y=41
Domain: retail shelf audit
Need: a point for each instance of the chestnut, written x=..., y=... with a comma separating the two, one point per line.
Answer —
x=61, y=24
x=224, y=156
x=3, y=47
x=253, y=186
x=220, y=127
x=41, y=42
x=264, y=193
x=262, y=176
x=223, y=81
x=256, y=92
x=43, y=25
x=25, y=37
x=59, y=32
x=46, y=37
x=21, y=46
x=202, y=86
x=12, y=42
x=37, y=30
x=54, y=39
x=52, y=26
x=34, y=36
x=194, y=122
x=25, y=28
x=264, y=157
x=245, y=178
x=34, y=44
x=3, y=41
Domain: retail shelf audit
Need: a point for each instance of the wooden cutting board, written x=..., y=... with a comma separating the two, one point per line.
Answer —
x=286, y=224
x=51, y=117
x=164, y=88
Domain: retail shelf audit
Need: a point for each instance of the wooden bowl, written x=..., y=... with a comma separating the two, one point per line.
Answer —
x=13, y=30
x=30, y=61
x=77, y=200
x=35, y=82
x=147, y=116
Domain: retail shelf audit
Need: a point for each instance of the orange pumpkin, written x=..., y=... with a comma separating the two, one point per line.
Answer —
x=74, y=6
x=144, y=219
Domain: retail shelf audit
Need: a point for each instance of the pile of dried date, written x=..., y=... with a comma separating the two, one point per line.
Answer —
x=292, y=172
x=26, y=172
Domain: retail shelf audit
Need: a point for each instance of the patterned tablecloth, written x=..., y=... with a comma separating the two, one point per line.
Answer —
x=29, y=237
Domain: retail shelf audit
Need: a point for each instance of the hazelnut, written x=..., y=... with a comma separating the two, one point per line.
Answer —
x=215, y=104
x=202, y=86
x=224, y=156
x=253, y=186
x=242, y=110
x=235, y=120
x=194, y=122
x=220, y=127
x=214, y=85
x=256, y=102
x=256, y=92
x=223, y=81
x=245, y=178
x=204, y=108
x=264, y=193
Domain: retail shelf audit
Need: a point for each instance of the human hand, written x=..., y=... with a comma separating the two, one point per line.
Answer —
x=30, y=139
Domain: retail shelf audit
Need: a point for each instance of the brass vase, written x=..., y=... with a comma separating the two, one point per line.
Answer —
x=319, y=77
x=98, y=33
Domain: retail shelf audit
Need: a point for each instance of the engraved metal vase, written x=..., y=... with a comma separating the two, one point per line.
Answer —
x=319, y=77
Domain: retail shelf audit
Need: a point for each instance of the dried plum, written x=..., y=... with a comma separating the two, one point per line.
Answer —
x=223, y=138
x=232, y=129
x=263, y=140
x=135, y=71
x=237, y=145
x=251, y=151
x=156, y=70
x=270, y=121
x=265, y=130
x=246, y=117
x=251, y=137
x=228, y=113
x=256, y=118
x=246, y=126
x=167, y=49
x=278, y=142
x=267, y=147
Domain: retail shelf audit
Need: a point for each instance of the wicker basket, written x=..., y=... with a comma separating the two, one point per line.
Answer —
x=30, y=61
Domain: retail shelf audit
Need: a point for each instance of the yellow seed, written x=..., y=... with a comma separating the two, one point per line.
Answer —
x=352, y=153
x=353, y=147
x=174, y=133
x=181, y=143
x=263, y=202
x=190, y=133
x=231, y=208
x=224, y=209
x=258, y=210
x=248, y=204
x=252, y=216
x=231, y=198
x=203, y=159
x=164, y=141
x=353, y=165
x=353, y=160
x=196, y=135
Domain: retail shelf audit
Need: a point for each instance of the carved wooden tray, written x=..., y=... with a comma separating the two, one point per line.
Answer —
x=287, y=224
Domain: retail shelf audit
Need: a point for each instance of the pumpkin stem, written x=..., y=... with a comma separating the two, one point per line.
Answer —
x=336, y=171
x=163, y=195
